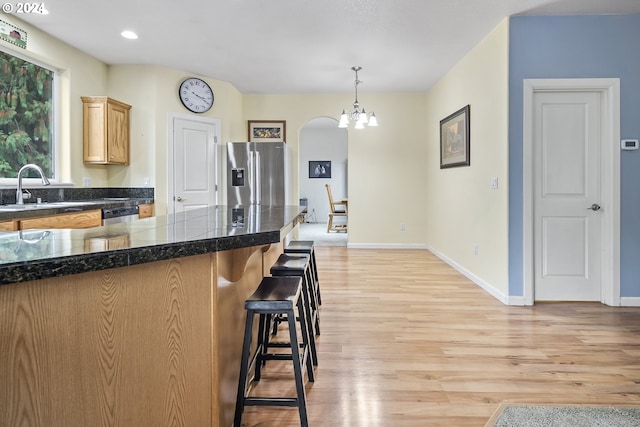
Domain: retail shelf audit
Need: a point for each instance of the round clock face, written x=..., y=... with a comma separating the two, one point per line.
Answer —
x=196, y=95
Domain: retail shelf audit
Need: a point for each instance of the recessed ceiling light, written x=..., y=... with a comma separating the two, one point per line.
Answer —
x=129, y=35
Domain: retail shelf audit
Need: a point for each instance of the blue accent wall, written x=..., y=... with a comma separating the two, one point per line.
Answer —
x=598, y=46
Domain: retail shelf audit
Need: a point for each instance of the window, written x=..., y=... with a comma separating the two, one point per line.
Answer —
x=26, y=116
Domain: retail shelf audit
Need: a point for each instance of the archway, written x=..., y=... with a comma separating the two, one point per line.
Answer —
x=322, y=142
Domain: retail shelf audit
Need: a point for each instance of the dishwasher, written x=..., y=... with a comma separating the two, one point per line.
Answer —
x=121, y=214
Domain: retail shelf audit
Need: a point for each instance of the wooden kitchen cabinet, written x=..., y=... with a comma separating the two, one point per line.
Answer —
x=105, y=243
x=83, y=219
x=9, y=225
x=145, y=211
x=105, y=130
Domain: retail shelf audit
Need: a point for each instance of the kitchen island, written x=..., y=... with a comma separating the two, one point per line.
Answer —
x=136, y=323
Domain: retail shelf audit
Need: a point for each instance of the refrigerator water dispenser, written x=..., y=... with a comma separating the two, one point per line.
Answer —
x=237, y=177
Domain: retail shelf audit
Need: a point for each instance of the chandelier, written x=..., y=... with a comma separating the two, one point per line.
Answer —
x=357, y=115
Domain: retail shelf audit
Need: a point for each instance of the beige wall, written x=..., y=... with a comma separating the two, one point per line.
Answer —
x=80, y=75
x=393, y=177
x=153, y=93
x=386, y=173
x=463, y=209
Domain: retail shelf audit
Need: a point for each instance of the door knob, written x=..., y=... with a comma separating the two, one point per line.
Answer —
x=594, y=207
x=179, y=199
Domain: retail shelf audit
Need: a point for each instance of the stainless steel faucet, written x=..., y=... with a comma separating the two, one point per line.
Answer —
x=45, y=181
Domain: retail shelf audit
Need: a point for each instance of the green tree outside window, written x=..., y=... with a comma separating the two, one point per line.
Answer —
x=26, y=116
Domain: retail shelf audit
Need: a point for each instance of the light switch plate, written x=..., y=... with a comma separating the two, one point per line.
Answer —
x=494, y=183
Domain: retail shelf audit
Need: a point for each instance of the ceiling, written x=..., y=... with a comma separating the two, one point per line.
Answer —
x=297, y=46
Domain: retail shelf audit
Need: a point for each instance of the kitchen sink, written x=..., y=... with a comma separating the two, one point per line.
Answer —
x=13, y=208
x=31, y=206
x=63, y=204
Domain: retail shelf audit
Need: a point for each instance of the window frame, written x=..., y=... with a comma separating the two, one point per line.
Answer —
x=55, y=134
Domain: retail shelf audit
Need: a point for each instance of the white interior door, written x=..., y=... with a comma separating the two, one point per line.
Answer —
x=567, y=134
x=195, y=170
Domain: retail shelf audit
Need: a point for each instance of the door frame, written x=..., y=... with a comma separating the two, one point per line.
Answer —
x=171, y=118
x=609, y=89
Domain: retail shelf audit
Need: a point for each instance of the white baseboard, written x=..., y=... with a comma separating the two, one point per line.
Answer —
x=630, y=301
x=386, y=246
x=505, y=299
x=516, y=300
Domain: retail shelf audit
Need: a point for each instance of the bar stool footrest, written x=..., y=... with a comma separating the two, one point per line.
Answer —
x=280, y=344
x=276, y=356
x=270, y=401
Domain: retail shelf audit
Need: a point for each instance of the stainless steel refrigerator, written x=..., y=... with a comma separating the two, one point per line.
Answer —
x=258, y=173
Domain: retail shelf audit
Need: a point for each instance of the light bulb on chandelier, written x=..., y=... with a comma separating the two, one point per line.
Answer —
x=357, y=115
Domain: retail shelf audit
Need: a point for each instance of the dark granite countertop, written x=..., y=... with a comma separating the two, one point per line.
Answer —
x=31, y=210
x=38, y=254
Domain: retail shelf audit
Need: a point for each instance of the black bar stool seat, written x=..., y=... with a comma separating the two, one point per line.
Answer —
x=274, y=296
x=306, y=247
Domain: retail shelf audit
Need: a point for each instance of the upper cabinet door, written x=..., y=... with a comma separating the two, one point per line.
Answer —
x=105, y=131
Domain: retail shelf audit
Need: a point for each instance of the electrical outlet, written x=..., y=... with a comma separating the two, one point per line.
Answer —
x=402, y=227
x=86, y=182
x=475, y=249
x=146, y=181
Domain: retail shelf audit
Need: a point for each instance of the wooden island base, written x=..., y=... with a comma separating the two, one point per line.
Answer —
x=155, y=344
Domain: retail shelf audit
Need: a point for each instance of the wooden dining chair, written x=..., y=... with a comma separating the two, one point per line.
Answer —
x=333, y=211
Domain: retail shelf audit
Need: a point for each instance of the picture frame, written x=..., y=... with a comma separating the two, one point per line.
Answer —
x=320, y=169
x=267, y=131
x=12, y=34
x=455, y=139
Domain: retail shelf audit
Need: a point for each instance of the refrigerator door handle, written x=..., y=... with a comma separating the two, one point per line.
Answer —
x=258, y=170
x=250, y=177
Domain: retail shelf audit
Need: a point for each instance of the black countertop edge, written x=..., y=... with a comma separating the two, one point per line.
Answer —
x=22, y=271
x=64, y=266
x=76, y=264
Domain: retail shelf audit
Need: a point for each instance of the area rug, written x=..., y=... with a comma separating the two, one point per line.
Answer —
x=534, y=415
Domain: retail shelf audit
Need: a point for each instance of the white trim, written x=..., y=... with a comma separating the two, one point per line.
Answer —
x=630, y=302
x=488, y=287
x=610, y=158
x=171, y=117
x=386, y=246
x=475, y=279
x=516, y=301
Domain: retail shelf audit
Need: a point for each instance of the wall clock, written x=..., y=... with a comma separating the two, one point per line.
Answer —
x=196, y=95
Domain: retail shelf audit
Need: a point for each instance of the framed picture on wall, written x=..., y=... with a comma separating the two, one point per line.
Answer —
x=455, y=141
x=267, y=131
x=319, y=169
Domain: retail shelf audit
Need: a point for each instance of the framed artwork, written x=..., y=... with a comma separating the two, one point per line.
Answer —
x=319, y=169
x=10, y=33
x=263, y=131
x=455, y=142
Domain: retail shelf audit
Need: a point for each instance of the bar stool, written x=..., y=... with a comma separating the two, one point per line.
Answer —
x=298, y=265
x=306, y=247
x=275, y=295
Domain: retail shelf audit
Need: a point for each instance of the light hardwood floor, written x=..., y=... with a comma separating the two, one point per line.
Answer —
x=408, y=341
